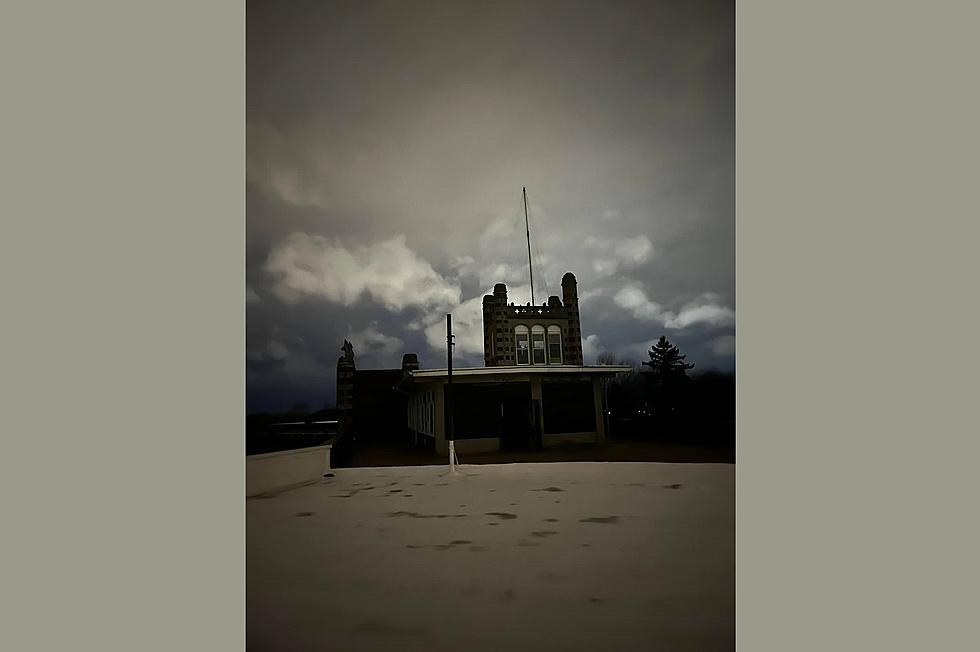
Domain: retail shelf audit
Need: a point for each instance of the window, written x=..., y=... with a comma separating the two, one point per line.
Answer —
x=537, y=345
x=554, y=345
x=521, y=337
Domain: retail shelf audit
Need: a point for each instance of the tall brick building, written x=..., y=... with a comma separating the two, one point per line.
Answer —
x=549, y=334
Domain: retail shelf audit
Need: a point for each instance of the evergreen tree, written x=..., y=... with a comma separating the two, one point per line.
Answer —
x=666, y=362
x=668, y=372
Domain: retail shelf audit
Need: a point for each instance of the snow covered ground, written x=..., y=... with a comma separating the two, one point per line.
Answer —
x=561, y=556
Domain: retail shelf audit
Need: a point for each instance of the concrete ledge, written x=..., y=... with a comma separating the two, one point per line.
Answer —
x=283, y=469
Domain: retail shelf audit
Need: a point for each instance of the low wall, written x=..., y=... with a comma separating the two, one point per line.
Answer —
x=271, y=471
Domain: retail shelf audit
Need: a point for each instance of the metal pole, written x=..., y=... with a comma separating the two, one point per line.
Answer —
x=528, y=229
x=449, y=393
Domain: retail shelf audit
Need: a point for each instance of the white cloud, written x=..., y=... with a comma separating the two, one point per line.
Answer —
x=503, y=229
x=388, y=272
x=634, y=250
x=615, y=254
x=703, y=310
x=604, y=267
x=723, y=346
x=371, y=340
x=503, y=273
x=467, y=327
x=588, y=295
x=634, y=299
x=416, y=324
x=590, y=348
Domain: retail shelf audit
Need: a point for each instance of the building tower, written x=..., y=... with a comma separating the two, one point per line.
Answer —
x=345, y=383
x=549, y=334
x=495, y=332
x=573, y=333
x=410, y=362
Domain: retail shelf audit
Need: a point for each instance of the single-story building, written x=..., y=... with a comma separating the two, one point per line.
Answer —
x=509, y=407
x=534, y=390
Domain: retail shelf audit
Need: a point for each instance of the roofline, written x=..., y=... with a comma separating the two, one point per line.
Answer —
x=522, y=369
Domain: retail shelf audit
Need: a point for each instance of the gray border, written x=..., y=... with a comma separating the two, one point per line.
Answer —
x=122, y=253
x=122, y=258
x=853, y=165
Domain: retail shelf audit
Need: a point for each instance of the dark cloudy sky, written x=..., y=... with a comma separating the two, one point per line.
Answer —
x=387, y=144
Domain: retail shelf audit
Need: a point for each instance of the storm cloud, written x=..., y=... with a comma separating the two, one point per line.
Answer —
x=387, y=145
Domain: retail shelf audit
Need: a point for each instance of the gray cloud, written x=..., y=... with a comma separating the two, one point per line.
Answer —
x=387, y=145
x=371, y=340
x=723, y=346
x=615, y=254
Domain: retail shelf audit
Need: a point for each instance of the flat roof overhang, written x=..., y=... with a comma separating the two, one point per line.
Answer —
x=464, y=372
x=514, y=373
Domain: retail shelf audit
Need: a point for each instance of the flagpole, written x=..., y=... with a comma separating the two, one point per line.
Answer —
x=527, y=228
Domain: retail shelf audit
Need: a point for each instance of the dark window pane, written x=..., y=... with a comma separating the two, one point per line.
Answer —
x=538, y=347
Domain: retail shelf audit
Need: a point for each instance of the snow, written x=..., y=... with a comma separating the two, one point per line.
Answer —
x=570, y=556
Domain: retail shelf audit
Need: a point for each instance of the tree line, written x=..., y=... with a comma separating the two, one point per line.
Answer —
x=663, y=398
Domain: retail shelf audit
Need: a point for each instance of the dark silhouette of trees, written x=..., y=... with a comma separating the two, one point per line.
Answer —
x=625, y=393
x=665, y=402
x=709, y=399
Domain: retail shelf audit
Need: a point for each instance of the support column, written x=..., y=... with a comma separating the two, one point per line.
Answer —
x=538, y=395
x=439, y=419
x=600, y=417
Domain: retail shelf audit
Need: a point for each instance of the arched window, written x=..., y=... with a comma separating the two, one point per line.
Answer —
x=537, y=345
x=523, y=345
x=554, y=345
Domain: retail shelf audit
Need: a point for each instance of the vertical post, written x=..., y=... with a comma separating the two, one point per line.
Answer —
x=527, y=228
x=449, y=393
x=606, y=415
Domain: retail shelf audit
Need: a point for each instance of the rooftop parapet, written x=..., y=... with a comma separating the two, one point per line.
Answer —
x=539, y=311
